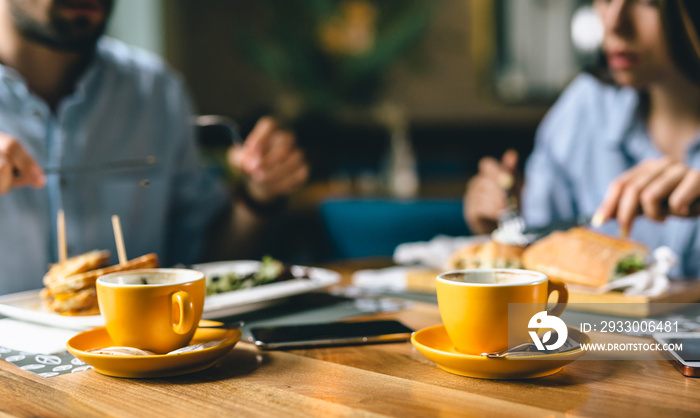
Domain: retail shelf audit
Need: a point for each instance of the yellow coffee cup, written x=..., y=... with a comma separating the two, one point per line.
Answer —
x=474, y=306
x=152, y=309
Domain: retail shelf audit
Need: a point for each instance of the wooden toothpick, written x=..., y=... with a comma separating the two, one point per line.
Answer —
x=119, y=239
x=61, y=225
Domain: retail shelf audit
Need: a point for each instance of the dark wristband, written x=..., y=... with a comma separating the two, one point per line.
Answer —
x=270, y=208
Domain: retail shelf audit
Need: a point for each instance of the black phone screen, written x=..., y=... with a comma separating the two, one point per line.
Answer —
x=691, y=348
x=330, y=332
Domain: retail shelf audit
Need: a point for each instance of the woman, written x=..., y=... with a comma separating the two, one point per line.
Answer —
x=625, y=151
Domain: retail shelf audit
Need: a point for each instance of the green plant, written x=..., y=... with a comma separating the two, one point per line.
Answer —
x=333, y=53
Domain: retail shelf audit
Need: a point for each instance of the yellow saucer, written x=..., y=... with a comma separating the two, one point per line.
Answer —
x=434, y=343
x=156, y=365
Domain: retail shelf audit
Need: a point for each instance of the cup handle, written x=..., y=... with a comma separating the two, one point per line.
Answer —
x=563, y=296
x=182, y=302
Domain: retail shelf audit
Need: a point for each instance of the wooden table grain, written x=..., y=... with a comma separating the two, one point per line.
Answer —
x=371, y=380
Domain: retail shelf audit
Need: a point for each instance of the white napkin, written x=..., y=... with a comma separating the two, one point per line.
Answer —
x=33, y=338
x=433, y=253
x=429, y=255
x=391, y=278
x=652, y=281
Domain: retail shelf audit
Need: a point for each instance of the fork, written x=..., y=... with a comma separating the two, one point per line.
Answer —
x=511, y=221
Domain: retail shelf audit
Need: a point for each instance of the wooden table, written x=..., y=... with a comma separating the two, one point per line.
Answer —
x=390, y=379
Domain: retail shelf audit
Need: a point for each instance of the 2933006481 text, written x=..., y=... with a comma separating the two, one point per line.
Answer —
x=629, y=326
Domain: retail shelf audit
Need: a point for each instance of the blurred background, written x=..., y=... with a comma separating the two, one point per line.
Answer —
x=394, y=101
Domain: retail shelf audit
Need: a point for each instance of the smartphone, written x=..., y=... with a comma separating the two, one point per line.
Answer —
x=330, y=334
x=687, y=359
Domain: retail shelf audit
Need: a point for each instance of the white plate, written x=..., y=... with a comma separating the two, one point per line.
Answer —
x=245, y=300
x=26, y=306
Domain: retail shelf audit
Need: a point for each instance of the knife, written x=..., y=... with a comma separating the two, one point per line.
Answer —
x=91, y=168
x=561, y=225
x=111, y=165
x=535, y=233
x=219, y=325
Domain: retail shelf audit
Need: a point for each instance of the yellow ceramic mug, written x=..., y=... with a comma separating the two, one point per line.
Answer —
x=152, y=309
x=474, y=306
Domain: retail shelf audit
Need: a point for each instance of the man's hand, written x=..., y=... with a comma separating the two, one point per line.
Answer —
x=17, y=167
x=485, y=197
x=655, y=188
x=272, y=165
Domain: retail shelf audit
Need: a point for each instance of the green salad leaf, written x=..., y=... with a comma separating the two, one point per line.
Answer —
x=630, y=265
x=270, y=271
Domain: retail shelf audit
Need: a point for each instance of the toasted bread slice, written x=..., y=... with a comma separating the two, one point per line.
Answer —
x=581, y=256
x=490, y=254
x=82, y=302
x=78, y=264
x=87, y=279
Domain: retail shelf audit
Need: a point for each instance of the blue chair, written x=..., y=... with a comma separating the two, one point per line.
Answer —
x=374, y=227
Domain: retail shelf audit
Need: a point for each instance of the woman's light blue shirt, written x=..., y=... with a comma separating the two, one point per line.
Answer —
x=594, y=133
x=127, y=105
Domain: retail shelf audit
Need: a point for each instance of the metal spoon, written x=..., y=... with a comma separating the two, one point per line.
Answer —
x=530, y=349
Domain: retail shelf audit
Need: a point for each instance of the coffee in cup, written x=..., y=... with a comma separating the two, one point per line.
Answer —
x=152, y=309
x=474, y=306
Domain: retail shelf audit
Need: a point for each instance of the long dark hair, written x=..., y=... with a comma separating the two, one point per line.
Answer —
x=680, y=20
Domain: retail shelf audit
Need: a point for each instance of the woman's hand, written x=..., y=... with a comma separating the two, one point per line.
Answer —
x=17, y=167
x=655, y=188
x=485, y=197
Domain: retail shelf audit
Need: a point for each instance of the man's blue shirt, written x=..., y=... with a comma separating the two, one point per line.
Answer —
x=127, y=105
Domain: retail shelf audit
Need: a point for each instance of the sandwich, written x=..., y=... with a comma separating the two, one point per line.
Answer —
x=489, y=254
x=584, y=257
x=70, y=285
